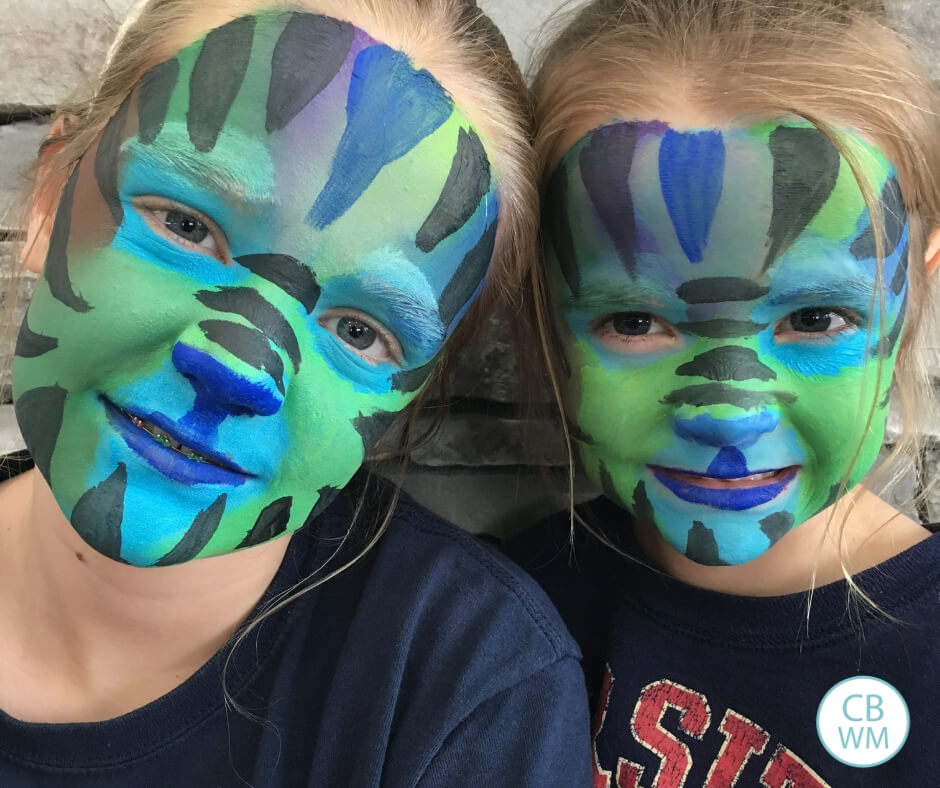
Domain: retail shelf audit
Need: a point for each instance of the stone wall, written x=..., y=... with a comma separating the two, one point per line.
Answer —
x=488, y=468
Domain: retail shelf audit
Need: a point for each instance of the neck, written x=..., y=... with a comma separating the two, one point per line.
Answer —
x=111, y=637
x=858, y=532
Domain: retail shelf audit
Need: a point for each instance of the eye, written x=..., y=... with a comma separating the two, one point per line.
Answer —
x=364, y=335
x=184, y=226
x=815, y=323
x=633, y=332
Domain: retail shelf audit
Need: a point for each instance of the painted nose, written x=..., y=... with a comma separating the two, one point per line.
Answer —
x=218, y=387
x=740, y=433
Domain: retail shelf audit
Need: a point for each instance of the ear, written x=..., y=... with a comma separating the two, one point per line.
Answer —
x=933, y=251
x=44, y=201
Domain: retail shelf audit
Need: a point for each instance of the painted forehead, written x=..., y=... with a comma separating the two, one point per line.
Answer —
x=308, y=122
x=724, y=202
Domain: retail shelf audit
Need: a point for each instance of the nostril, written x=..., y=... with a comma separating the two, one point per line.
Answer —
x=740, y=433
x=219, y=386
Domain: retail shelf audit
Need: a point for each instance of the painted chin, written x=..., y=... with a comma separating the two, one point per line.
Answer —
x=737, y=494
x=162, y=450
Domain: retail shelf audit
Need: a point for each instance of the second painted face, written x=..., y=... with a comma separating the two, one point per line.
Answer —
x=250, y=273
x=722, y=321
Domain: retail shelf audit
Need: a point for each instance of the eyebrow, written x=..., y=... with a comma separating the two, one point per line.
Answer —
x=196, y=168
x=417, y=322
x=855, y=289
x=591, y=297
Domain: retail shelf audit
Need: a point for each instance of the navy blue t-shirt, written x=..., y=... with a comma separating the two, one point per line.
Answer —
x=432, y=662
x=696, y=688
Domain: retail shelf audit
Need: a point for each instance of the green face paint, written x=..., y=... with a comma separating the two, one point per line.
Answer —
x=719, y=294
x=245, y=284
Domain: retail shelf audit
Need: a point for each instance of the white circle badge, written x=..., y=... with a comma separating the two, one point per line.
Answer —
x=863, y=721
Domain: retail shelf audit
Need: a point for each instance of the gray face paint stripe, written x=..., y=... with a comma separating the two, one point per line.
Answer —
x=264, y=316
x=722, y=328
x=887, y=344
x=412, y=379
x=107, y=161
x=247, y=344
x=579, y=435
x=271, y=523
x=776, y=525
x=806, y=167
x=720, y=289
x=373, y=427
x=720, y=394
x=197, y=536
x=153, y=101
x=39, y=414
x=605, y=164
x=607, y=484
x=98, y=514
x=56, y=271
x=287, y=273
x=702, y=547
x=728, y=363
x=895, y=219
x=557, y=228
x=642, y=507
x=900, y=273
x=467, y=184
x=29, y=344
x=217, y=76
x=468, y=276
x=307, y=57
x=327, y=495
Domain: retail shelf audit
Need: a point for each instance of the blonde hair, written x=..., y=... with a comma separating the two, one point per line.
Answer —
x=836, y=63
x=453, y=39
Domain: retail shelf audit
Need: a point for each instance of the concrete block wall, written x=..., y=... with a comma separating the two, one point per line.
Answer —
x=489, y=468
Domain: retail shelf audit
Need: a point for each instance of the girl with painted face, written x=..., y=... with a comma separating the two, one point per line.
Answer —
x=256, y=240
x=740, y=217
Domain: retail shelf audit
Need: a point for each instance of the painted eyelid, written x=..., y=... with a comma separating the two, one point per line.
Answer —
x=150, y=204
x=392, y=346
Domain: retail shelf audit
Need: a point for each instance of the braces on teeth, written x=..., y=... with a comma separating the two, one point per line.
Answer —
x=164, y=439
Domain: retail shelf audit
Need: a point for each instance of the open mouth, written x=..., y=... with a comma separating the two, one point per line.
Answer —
x=737, y=494
x=165, y=452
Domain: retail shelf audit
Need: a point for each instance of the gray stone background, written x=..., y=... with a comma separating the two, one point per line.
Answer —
x=488, y=468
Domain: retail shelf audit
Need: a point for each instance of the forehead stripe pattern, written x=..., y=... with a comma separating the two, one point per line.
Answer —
x=271, y=523
x=720, y=289
x=248, y=345
x=556, y=223
x=155, y=91
x=30, y=344
x=720, y=394
x=287, y=273
x=386, y=93
x=728, y=363
x=307, y=57
x=56, y=272
x=806, y=167
x=251, y=305
x=197, y=536
x=900, y=273
x=691, y=175
x=467, y=184
x=605, y=164
x=104, y=532
x=106, y=160
x=217, y=77
x=895, y=220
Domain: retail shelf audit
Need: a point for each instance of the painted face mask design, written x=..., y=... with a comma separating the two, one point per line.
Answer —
x=721, y=317
x=252, y=271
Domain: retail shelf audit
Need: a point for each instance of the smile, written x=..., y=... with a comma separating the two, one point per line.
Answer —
x=162, y=450
x=735, y=494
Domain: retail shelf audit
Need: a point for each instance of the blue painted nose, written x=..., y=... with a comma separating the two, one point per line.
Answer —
x=740, y=433
x=219, y=388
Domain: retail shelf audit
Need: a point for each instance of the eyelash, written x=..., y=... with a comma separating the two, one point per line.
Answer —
x=387, y=339
x=150, y=206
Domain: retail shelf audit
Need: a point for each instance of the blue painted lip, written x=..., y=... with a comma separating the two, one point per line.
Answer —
x=730, y=499
x=168, y=461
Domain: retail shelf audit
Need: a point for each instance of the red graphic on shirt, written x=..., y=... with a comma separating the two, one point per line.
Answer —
x=743, y=741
